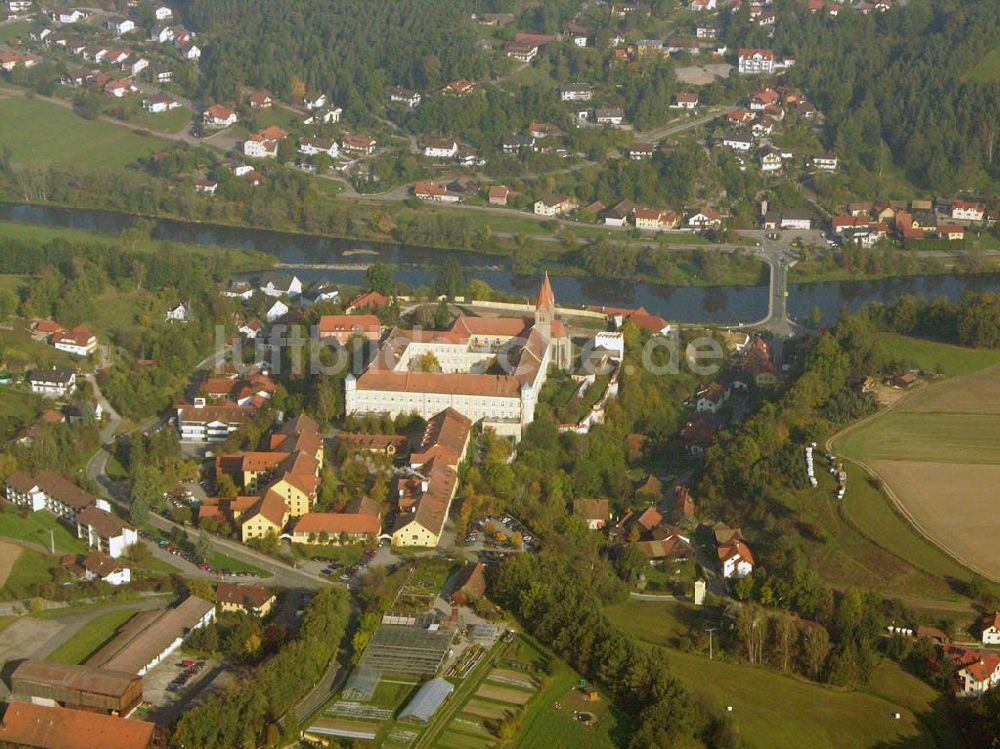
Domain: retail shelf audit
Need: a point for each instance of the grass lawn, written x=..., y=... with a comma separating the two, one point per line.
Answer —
x=948, y=359
x=50, y=135
x=31, y=568
x=22, y=351
x=773, y=710
x=656, y=622
x=987, y=70
x=938, y=437
x=346, y=555
x=220, y=561
x=19, y=405
x=95, y=634
x=36, y=527
x=11, y=31
x=174, y=121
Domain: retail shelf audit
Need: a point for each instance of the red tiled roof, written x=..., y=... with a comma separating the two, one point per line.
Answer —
x=27, y=724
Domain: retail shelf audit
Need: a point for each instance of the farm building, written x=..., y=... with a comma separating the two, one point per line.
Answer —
x=426, y=701
x=79, y=687
x=418, y=646
x=146, y=641
x=27, y=725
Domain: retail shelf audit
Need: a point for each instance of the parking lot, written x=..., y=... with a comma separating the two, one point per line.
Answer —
x=170, y=692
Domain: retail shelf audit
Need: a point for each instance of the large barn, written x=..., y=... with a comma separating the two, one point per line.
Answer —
x=79, y=687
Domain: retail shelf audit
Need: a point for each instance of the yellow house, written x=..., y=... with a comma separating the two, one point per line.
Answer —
x=252, y=599
x=296, y=491
x=267, y=514
x=414, y=534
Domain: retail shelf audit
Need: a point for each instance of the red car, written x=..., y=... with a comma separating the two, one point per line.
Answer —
x=188, y=663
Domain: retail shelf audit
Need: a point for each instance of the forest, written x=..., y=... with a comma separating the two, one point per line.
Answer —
x=895, y=87
x=349, y=50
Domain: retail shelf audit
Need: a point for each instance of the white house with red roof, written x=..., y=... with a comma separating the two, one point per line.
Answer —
x=756, y=61
x=264, y=143
x=80, y=341
x=990, y=629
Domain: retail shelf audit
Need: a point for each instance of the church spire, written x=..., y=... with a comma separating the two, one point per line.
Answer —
x=546, y=301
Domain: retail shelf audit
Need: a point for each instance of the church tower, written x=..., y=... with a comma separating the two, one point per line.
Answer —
x=545, y=308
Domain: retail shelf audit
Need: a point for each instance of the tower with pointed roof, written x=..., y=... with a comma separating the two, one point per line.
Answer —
x=545, y=307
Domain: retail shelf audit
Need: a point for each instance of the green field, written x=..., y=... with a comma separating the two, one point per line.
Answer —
x=37, y=527
x=11, y=31
x=987, y=70
x=50, y=135
x=948, y=359
x=19, y=405
x=22, y=351
x=31, y=568
x=174, y=121
x=656, y=622
x=938, y=437
x=771, y=709
x=96, y=633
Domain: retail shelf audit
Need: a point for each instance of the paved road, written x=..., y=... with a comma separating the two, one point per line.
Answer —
x=779, y=256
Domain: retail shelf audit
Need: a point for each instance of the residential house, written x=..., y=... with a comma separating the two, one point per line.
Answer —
x=219, y=116
x=162, y=13
x=683, y=509
x=576, y=92
x=618, y=214
x=756, y=61
x=653, y=219
x=826, y=162
x=68, y=15
x=594, y=512
x=976, y=671
x=460, y=87
x=107, y=569
x=344, y=328
x=264, y=143
x=735, y=559
x=705, y=218
x=640, y=151
x=521, y=51
x=409, y=99
x=964, y=210
x=320, y=290
x=255, y=599
x=268, y=515
x=314, y=101
x=278, y=285
x=614, y=116
x=53, y=383
x=710, y=398
x=554, y=205
x=276, y=311
x=435, y=191
x=179, y=313
x=103, y=530
x=200, y=422
x=737, y=141
x=358, y=144
x=120, y=88
x=315, y=146
x=49, y=491
x=206, y=186
x=497, y=195
x=260, y=100
x=989, y=629
x=770, y=160
x=685, y=100
x=120, y=25
x=79, y=341
x=160, y=103
x=440, y=148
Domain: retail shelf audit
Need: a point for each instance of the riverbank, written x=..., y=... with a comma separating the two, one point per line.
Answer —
x=700, y=266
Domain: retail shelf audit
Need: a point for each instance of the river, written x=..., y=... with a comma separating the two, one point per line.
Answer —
x=344, y=262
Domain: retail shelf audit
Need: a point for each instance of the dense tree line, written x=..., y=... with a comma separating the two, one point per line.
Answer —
x=553, y=595
x=895, y=86
x=350, y=51
x=973, y=320
x=244, y=714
